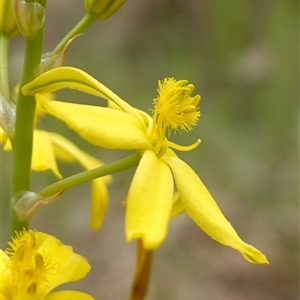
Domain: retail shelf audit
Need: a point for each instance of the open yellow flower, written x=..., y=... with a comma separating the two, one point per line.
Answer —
x=50, y=146
x=150, y=197
x=35, y=264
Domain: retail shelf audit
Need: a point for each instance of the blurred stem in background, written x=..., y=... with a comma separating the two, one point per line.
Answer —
x=4, y=82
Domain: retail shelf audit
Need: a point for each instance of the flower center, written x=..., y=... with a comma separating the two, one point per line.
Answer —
x=174, y=110
x=29, y=268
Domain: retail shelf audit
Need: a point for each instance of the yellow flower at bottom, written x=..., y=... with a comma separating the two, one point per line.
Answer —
x=36, y=264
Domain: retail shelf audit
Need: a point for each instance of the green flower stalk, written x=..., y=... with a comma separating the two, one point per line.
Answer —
x=102, y=9
x=30, y=19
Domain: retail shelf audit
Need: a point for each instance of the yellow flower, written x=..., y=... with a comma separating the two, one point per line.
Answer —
x=50, y=146
x=150, y=197
x=36, y=264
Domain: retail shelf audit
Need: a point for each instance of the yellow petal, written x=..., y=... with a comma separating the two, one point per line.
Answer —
x=7, y=146
x=6, y=276
x=177, y=207
x=99, y=203
x=5, y=140
x=4, y=258
x=202, y=208
x=68, y=295
x=149, y=201
x=3, y=136
x=43, y=157
x=69, y=266
x=68, y=152
x=68, y=77
x=101, y=126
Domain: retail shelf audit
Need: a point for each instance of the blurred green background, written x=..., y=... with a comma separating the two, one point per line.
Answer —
x=243, y=58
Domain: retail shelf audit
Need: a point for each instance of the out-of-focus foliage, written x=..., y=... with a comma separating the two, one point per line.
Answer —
x=242, y=57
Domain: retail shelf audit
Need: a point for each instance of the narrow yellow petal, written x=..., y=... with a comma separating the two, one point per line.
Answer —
x=7, y=146
x=149, y=201
x=202, y=208
x=43, y=157
x=177, y=207
x=3, y=136
x=5, y=140
x=69, y=152
x=99, y=203
x=6, y=275
x=68, y=77
x=101, y=126
x=68, y=295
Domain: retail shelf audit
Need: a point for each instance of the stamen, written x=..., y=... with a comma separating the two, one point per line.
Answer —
x=39, y=261
x=29, y=266
x=183, y=148
x=175, y=108
x=32, y=288
x=20, y=252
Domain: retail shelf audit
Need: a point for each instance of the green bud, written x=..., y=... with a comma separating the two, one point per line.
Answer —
x=102, y=9
x=8, y=25
x=25, y=203
x=30, y=16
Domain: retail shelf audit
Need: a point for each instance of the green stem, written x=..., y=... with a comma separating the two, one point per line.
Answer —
x=80, y=27
x=25, y=110
x=115, y=167
x=4, y=83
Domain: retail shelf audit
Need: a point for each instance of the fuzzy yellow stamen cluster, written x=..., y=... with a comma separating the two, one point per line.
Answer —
x=29, y=267
x=35, y=264
x=175, y=108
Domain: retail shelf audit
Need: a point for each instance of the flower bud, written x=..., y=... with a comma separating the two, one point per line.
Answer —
x=30, y=16
x=25, y=203
x=8, y=25
x=102, y=9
